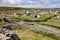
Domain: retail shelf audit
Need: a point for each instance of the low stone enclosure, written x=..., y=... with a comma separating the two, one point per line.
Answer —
x=33, y=27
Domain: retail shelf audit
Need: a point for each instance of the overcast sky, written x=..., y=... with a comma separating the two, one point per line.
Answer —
x=31, y=3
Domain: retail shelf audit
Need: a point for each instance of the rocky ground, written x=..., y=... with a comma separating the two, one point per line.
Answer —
x=45, y=29
x=33, y=27
x=7, y=34
x=7, y=30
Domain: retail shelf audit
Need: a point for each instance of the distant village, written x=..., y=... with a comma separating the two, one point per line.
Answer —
x=33, y=13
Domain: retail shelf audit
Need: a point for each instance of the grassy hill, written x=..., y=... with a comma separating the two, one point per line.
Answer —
x=48, y=17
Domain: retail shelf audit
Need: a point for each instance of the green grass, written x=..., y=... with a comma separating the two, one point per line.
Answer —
x=49, y=24
x=29, y=19
x=30, y=35
x=46, y=19
x=53, y=22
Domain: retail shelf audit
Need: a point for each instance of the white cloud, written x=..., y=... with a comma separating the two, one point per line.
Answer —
x=13, y=1
x=31, y=3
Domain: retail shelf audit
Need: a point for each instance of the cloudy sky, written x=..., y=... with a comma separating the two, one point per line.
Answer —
x=31, y=3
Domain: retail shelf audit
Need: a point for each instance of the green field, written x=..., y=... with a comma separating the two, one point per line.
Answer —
x=30, y=35
x=48, y=19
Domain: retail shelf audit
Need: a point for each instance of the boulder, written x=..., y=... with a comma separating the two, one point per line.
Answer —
x=5, y=20
x=15, y=37
x=9, y=36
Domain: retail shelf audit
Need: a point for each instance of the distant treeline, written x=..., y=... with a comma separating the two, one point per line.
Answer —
x=18, y=8
x=9, y=8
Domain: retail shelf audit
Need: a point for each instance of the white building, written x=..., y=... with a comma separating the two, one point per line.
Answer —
x=42, y=13
x=51, y=11
x=27, y=12
x=56, y=12
x=58, y=16
x=38, y=15
x=15, y=14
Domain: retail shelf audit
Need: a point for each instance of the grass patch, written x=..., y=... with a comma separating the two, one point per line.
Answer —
x=29, y=19
x=49, y=24
x=31, y=35
x=48, y=35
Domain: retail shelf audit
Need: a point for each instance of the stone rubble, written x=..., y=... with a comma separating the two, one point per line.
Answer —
x=8, y=34
x=34, y=27
x=45, y=29
x=29, y=26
